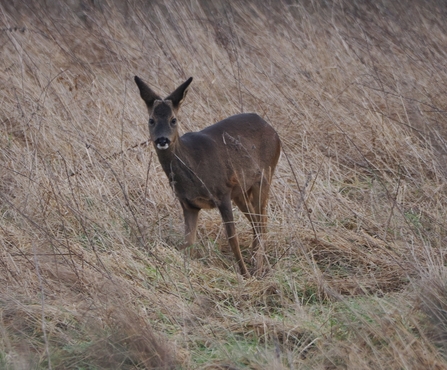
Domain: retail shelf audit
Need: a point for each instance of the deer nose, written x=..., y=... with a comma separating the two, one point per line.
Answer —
x=162, y=143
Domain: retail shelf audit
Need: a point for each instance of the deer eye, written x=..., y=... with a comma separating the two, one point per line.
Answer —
x=151, y=121
x=173, y=121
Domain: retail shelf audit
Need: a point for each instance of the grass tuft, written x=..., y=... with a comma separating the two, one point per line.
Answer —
x=90, y=270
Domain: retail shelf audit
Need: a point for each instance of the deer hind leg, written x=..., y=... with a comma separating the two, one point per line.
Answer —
x=245, y=204
x=227, y=216
x=260, y=192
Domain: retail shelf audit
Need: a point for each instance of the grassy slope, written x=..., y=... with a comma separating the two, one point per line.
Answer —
x=90, y=274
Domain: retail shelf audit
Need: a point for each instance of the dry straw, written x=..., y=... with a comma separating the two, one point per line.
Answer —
x=90, y=273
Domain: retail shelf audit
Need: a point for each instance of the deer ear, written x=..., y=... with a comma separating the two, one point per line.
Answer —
x=146, y=93
x=178, y=96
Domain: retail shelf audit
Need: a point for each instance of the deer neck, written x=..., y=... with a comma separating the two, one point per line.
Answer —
x=174, y=161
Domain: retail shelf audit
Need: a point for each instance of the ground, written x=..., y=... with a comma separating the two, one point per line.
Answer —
x=91, y=274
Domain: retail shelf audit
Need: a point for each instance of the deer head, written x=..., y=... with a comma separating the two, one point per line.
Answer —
x=163, y=128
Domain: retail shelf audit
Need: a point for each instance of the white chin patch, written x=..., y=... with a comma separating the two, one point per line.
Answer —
x=163, y=147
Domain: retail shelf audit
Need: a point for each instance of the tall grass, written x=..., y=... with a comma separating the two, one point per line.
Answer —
x=90, y=273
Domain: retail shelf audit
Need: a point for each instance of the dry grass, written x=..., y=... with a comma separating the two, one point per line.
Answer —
x=90, y=274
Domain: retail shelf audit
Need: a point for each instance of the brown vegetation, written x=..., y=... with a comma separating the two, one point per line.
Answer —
x=90, y=272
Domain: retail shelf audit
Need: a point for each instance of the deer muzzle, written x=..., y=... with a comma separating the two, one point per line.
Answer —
x=162, y=143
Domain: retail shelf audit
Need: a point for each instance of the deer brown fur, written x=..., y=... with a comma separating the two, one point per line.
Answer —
x=234, y=159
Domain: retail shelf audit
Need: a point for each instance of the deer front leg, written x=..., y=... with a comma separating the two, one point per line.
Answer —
x=227, y=216
x=191, y=216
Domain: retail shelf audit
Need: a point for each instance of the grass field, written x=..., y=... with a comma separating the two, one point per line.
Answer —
x=90, y=273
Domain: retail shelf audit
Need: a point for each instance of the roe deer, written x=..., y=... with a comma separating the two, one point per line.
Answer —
x=233, y=159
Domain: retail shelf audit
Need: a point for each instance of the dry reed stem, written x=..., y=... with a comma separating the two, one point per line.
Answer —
x=357, y=216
